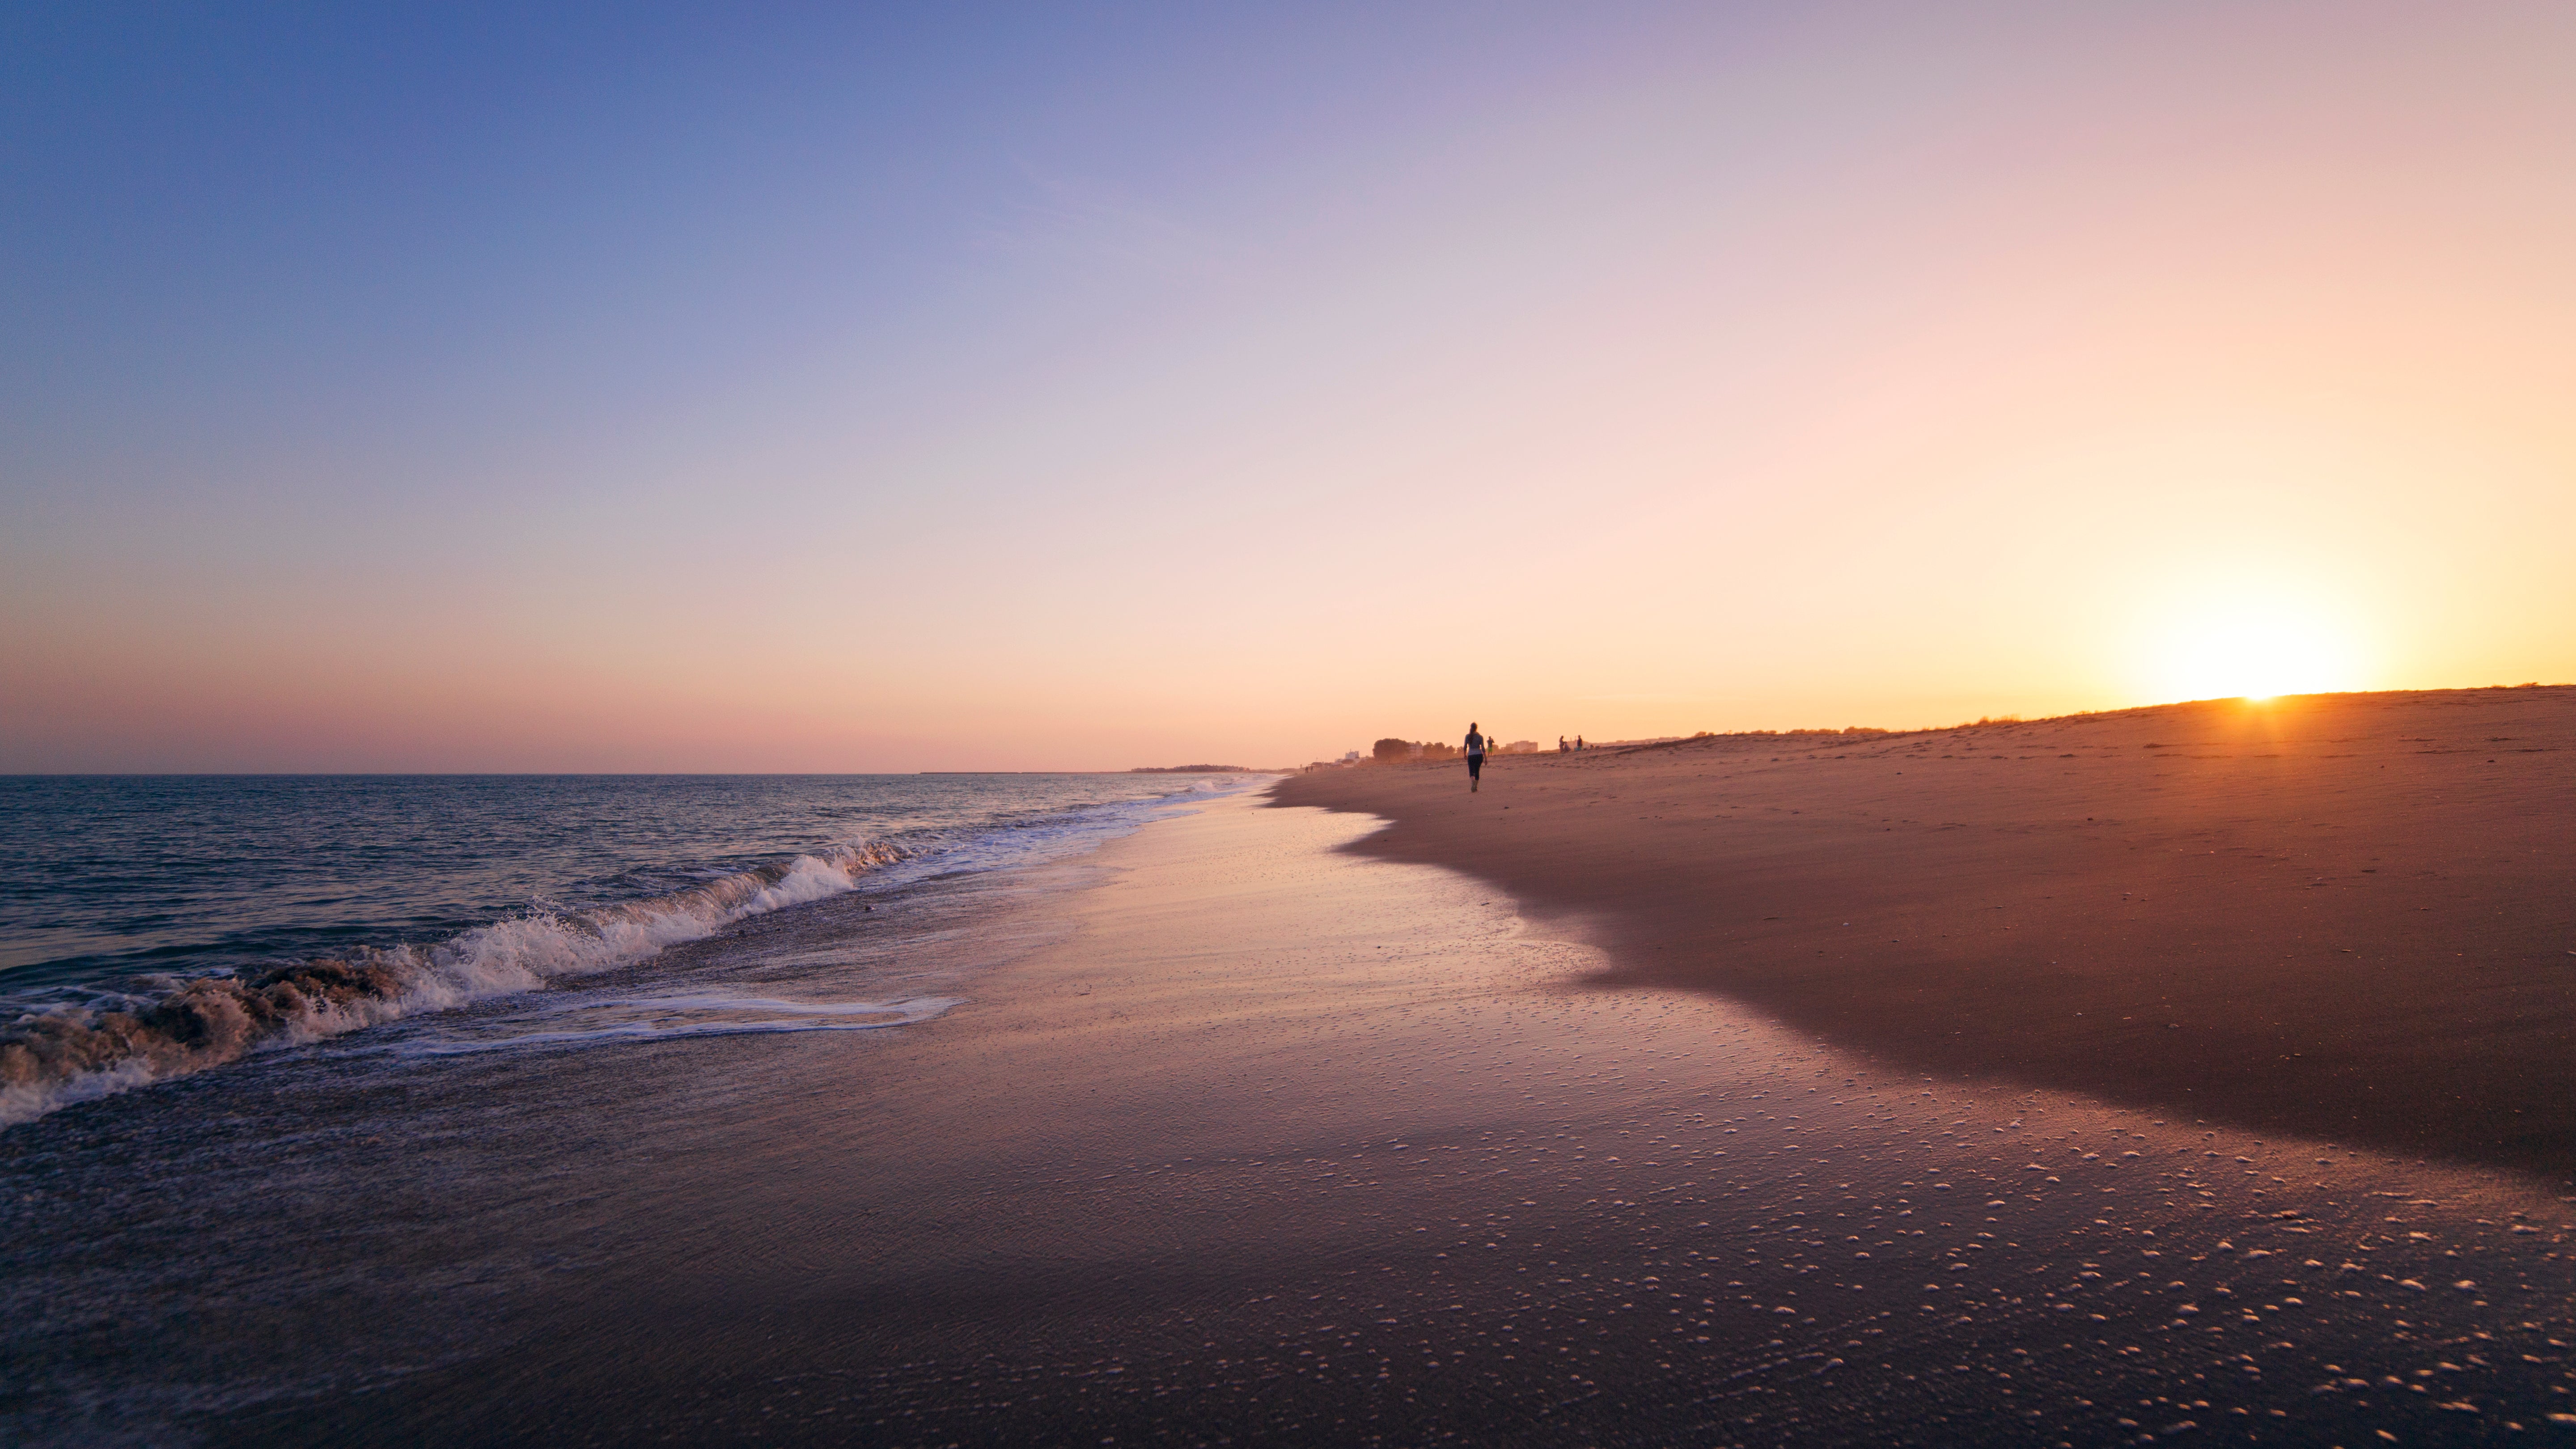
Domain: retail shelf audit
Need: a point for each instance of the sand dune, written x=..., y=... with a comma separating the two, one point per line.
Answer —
x=2349, y=915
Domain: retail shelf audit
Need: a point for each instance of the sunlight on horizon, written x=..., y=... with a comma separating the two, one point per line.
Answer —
x=2255, y=646
x=766, y=391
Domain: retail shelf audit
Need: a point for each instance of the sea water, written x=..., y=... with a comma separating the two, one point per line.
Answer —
x=155, y=927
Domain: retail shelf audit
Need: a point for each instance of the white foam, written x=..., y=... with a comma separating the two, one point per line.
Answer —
x=81, y=1053
x=795, y=1016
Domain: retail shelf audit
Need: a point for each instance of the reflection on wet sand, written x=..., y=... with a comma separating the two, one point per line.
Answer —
x=1262, y=1141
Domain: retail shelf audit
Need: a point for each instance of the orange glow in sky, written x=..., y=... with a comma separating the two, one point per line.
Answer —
x=1246, y=400
x=2255, y=645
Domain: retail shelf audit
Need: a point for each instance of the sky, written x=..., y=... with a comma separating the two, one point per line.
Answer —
x=867, y=388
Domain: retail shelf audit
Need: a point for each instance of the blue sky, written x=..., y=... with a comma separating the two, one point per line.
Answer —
x=672, y=388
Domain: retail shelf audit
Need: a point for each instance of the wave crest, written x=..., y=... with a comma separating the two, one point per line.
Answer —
x=77, y=1054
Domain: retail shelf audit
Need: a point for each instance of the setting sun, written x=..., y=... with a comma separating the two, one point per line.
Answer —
x=2255, y=648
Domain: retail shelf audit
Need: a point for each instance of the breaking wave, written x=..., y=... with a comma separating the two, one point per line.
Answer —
x=80, y=1053
x=669, y=1018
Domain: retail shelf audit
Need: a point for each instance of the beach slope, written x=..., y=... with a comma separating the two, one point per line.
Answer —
x=2352, y=916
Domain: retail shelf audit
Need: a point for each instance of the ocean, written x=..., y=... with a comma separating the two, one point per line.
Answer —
x=316, y=1085
x=153, y=927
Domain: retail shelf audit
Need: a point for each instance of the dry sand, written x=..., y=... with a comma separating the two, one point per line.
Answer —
x=2353, y=916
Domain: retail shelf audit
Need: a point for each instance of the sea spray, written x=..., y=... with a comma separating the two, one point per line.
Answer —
x=79, y=1053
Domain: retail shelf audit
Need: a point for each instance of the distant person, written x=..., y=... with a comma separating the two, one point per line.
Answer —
x=1578, y=744
x=1561, y=746
x=1475, y=757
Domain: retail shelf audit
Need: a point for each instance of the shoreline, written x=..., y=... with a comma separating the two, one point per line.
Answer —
x=2350, y=916
x=1241, y=1135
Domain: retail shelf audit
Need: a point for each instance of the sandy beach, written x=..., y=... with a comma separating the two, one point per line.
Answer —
x=2350, y=916
x=1249, y=1135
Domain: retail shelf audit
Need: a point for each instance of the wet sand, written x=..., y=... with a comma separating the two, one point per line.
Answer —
x=2352, y=916
x=1263, y=1141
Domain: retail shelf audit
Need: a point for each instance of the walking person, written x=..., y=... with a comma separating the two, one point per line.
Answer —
x=1475, y=757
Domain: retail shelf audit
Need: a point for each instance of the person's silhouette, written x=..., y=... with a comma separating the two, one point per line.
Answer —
x=1475, y=757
